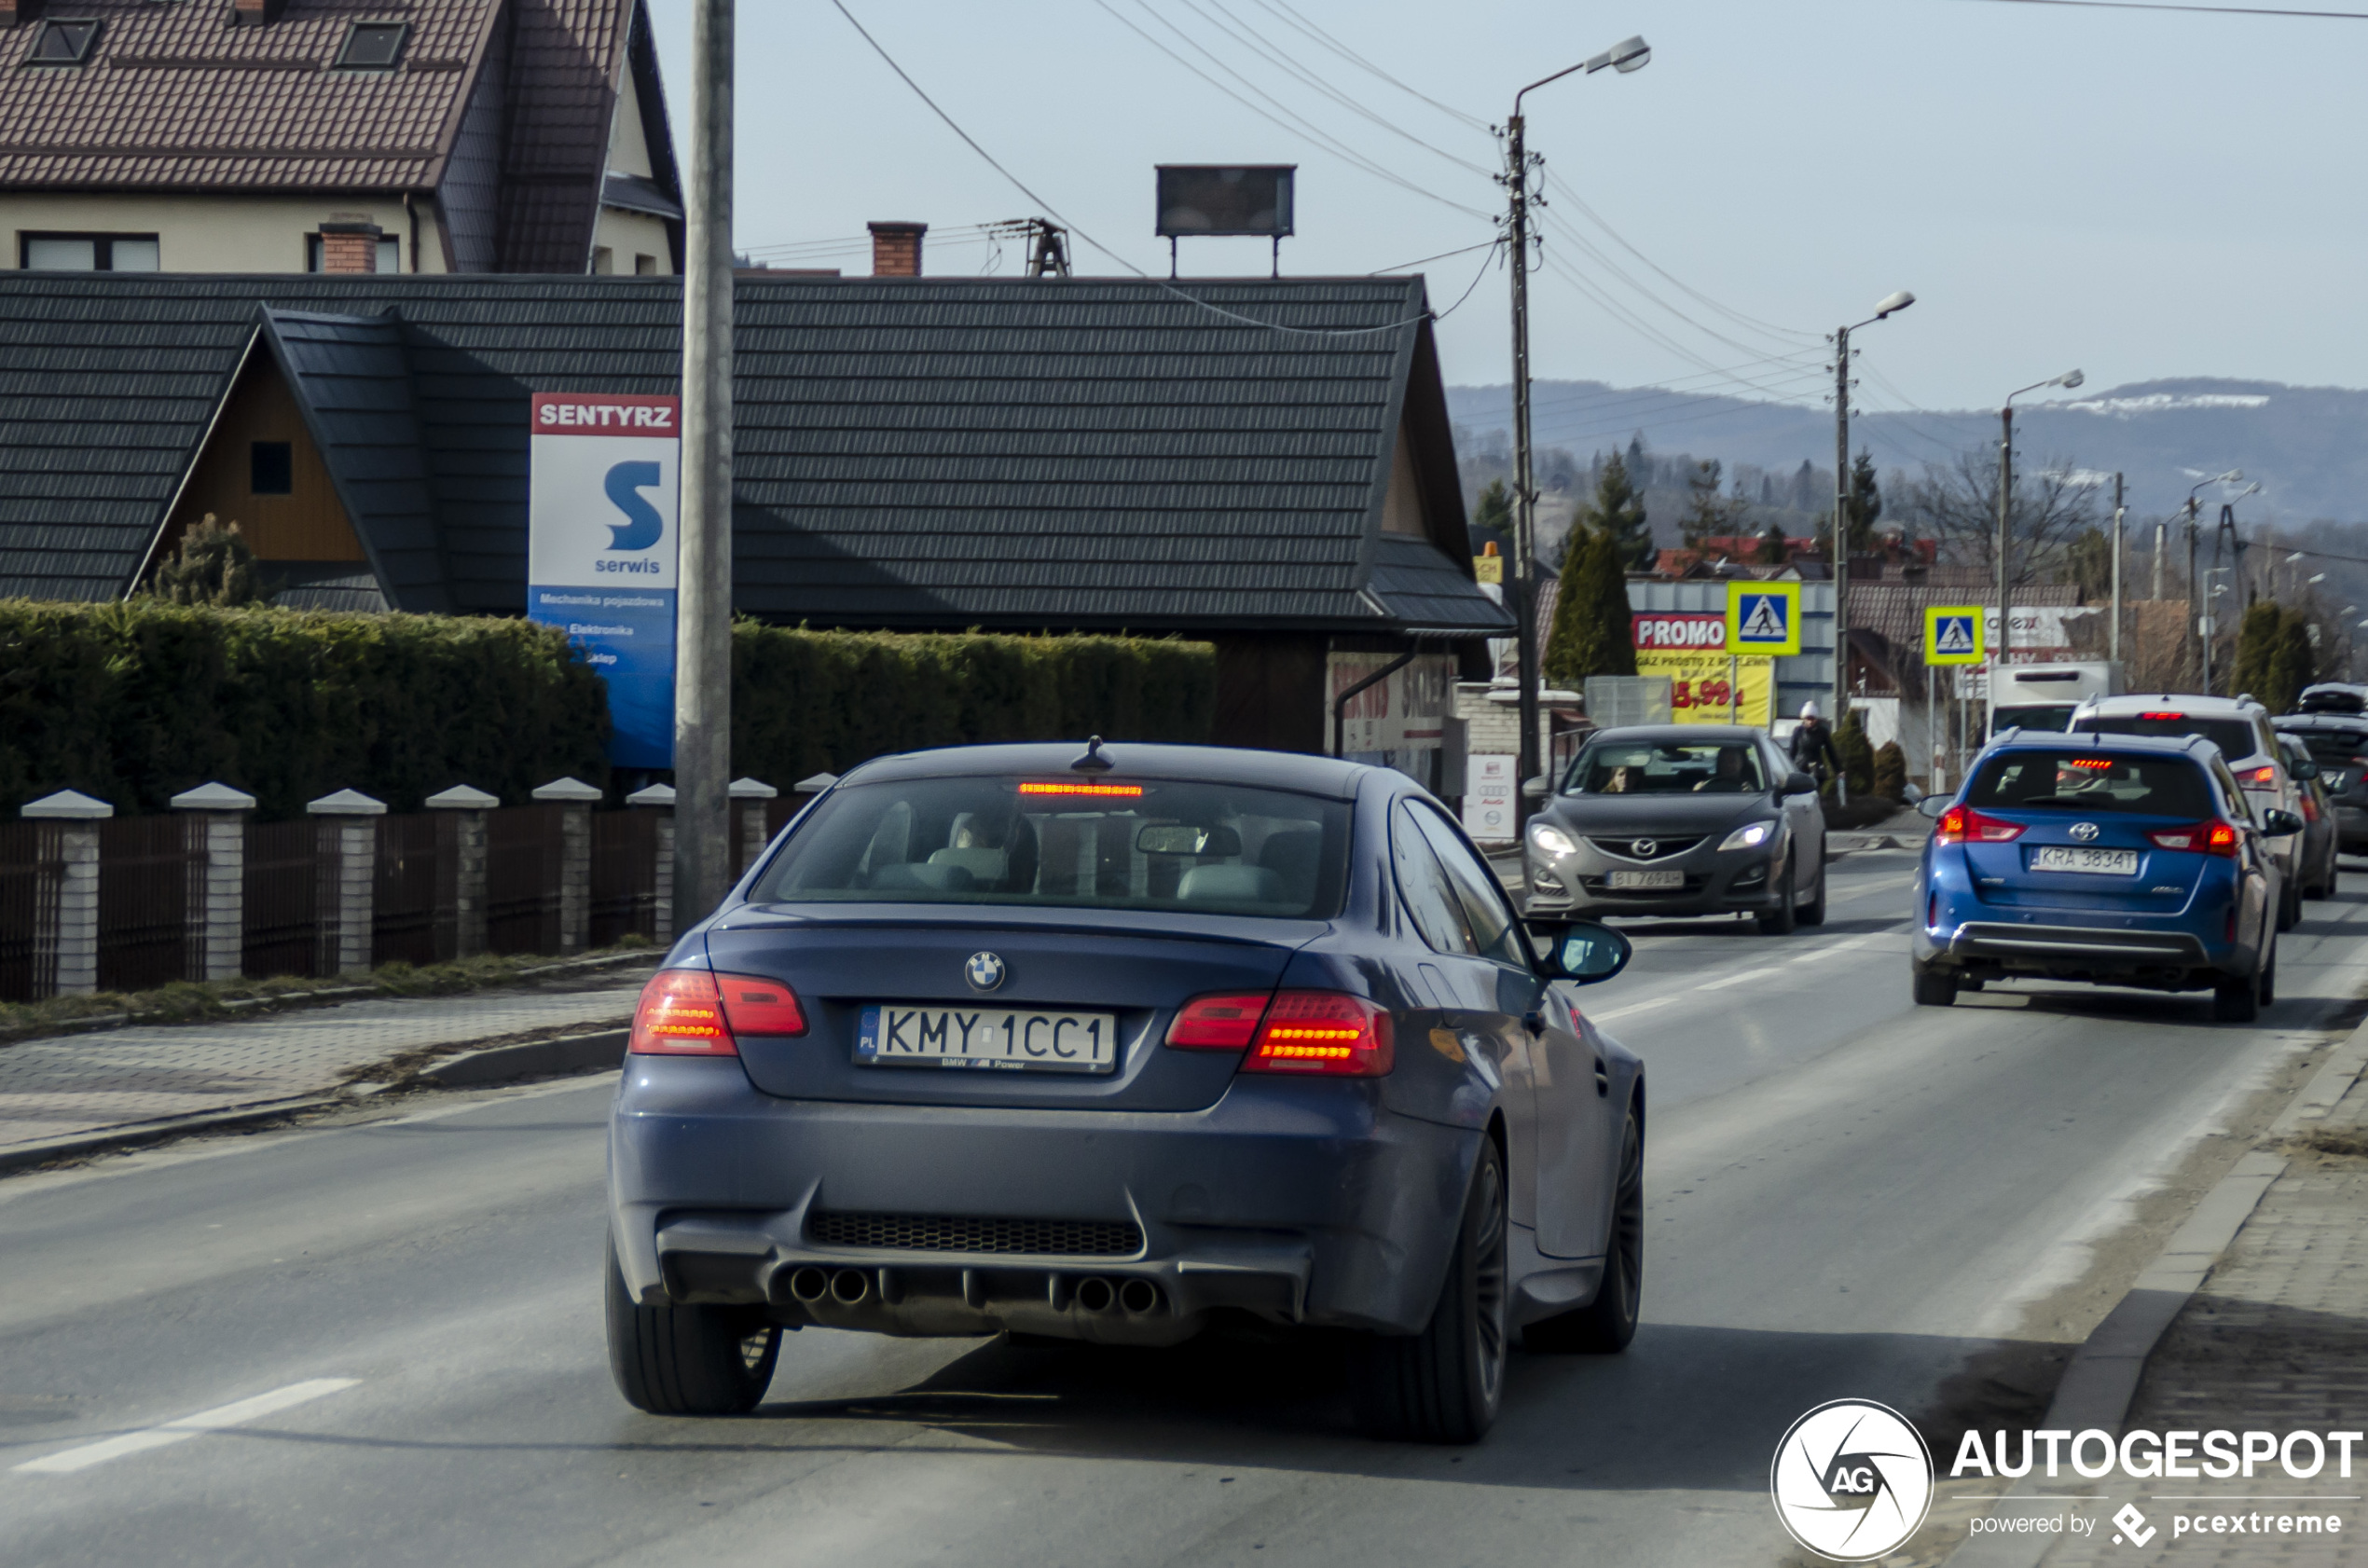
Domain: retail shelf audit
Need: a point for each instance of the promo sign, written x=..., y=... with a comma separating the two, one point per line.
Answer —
x=1707, y=685
x=601, y=551
x=1763, y=618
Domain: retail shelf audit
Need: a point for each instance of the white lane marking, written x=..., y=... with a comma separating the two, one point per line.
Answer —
x=1851, y=888
x=1632, y=1009
x=188, y=1426
x=1737, y=979
x=1844, y=946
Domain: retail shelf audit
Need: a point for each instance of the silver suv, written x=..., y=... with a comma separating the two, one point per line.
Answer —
x=2239, y=726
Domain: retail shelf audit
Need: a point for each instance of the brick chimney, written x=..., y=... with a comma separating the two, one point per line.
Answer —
x=350, y=247
x=254, y=13
x=15, y=11
x=896, y=249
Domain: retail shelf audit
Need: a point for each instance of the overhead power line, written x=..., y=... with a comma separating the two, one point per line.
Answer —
x=2208, y=10
x=1282, y=9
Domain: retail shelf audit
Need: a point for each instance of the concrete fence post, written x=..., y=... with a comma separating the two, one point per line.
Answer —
x=576, y=859
x=349, y=829
x=660, y=799
x=469, y=873
x=751, y=794
x=70, y=821
x=218, y=823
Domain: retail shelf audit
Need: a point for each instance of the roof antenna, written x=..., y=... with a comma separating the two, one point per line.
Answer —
x=1093, y=761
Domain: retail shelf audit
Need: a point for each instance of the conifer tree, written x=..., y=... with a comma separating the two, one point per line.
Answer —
x=1617, y=510
x=210, y=565
x=1592, y=632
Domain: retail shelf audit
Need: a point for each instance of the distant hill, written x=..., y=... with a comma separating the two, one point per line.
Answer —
x=2307, y=446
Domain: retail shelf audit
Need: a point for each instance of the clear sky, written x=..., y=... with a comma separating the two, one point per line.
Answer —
x=2137, y=194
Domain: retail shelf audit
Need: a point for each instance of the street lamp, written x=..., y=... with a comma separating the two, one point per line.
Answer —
x=1630, y=54
x=2194, y=609
x=2068, y=380
x=1890, y=305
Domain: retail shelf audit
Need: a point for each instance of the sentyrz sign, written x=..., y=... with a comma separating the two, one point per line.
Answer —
x=601, y=551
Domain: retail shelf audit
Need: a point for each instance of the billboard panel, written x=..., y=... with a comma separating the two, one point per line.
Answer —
x=602, y=550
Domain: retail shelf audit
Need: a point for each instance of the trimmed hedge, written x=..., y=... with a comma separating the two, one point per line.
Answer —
x=133, y=703
x=806, y=702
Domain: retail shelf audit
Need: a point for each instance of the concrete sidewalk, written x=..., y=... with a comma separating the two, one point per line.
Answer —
x=62, y=1093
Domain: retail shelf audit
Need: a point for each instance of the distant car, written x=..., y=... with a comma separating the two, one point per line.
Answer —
x=1682, y=819
x=1102, y=1047
x=2338, y=742
x=2318, y=829
x=2045, y=696
x=2333, y=697
x=2239, y=726
x=2114, y=860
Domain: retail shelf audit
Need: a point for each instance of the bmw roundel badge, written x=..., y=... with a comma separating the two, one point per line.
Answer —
x=984, y=971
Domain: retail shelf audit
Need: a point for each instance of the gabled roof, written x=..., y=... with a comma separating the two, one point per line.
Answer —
x=173, y=98
x=908, y=452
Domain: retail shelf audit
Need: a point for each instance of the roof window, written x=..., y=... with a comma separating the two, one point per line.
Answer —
x=62, y=43
x=372, y=46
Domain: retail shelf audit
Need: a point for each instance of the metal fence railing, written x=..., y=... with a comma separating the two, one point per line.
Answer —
x=416, y=899
x=285, y=872
x=625, y=876
x=147, y=932
x=28, y=888
x=523, y=845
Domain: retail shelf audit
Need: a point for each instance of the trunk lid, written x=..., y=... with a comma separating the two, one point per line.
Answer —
x=1137, y=968
x=2008, y=875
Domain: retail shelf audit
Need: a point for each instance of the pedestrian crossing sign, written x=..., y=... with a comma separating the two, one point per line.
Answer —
x=1953, y=634
x=1763, y=618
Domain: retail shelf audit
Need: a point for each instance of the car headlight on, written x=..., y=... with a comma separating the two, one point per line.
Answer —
x=1551, y=839
x=1751, y=835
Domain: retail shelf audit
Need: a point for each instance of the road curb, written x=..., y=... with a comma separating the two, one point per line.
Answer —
x=499, y=1064
x=139, y=1134
x=2100, y=1382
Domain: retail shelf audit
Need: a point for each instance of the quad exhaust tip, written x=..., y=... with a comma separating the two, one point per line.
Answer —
x=850, y=1286
x=1138, y=1296
x=809, y=1285
x=1094, y=1295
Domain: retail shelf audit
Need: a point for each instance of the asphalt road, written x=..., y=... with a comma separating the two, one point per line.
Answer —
x=390, y=1333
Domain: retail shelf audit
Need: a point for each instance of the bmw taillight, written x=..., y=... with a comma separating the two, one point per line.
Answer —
x=1962, y=824
x=1220, y=1022
x=756, y=1006
x=1324, y=1032
x=2212, y=837
x=680, y=1014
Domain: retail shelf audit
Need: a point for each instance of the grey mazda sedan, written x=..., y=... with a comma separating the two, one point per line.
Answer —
x=1111, y=1045
x=1680, y=820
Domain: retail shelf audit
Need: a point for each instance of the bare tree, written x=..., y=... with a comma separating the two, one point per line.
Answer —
x=1956, y=502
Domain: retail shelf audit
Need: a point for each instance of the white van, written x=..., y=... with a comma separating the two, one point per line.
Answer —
x=2042, y=697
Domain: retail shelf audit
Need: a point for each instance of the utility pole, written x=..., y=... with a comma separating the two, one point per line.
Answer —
x=2005, y=541
x=2162, y=543
x=2113, y=637
x=1524, y=582
x=703, y=610
x=1841, y=526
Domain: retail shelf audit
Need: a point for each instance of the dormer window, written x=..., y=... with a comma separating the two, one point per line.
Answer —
x=62, y=43
x=372, y=46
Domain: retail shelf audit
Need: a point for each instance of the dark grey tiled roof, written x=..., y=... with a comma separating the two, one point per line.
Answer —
x=324, y=586
x=923, y=453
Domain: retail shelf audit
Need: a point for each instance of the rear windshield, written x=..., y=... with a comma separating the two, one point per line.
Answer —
x=2090, y=783
x=2334, y=746
x=1628, y=767
x=1068, y=843
x=2236, y=738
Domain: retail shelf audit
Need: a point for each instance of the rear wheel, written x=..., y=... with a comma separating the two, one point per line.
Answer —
x=687, y=1360
x=2269, y=977
x=1932, y=987
x=1813, y=913
x=1605, y=1325
x=1446, y=1383
x=2237, y=1001
x=1779, y=922
x=2290, y=905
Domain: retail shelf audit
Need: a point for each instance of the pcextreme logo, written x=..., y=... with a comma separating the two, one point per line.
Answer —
x=1852, y=1480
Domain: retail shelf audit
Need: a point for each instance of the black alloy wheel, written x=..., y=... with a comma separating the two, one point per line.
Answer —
x=1780, y=921
x=1605, y=1325
x=1446, y=1383
x=687, y=1360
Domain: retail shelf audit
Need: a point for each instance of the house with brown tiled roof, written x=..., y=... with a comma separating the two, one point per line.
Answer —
x=335, y=136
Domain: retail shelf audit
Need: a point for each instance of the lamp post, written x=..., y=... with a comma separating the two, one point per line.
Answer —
x=2068, y=380
x=1632, y=54
x=1890, y=305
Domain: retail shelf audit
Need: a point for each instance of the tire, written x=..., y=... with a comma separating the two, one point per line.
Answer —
x=2335, y=871
x=1932, y=987
x=2269, y=977
x=687, y=1360
x=1446, y=1383
x=1814, y=914
x=1780, y=921
x=1605, y=1325
x=2237, y=1001
x=2290, y=906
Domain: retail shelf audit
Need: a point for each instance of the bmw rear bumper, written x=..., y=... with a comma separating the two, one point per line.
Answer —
x=1301, y=1202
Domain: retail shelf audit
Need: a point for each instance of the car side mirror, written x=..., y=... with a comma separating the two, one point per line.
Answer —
x=1798, y=784
x=2278, y=824
x=1534, y=789
x=1932, y=806
x=1581, y=950
x=2304, y=770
